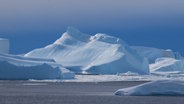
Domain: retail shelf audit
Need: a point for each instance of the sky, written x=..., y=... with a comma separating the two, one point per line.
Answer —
x=30, y=24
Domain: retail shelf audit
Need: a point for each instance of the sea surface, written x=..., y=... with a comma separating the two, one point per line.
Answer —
x=31, y=92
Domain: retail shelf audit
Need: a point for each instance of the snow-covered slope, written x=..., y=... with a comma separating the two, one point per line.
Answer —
x=18, y=67
x=160, y=87
x=4, y=45
x=167, y=65
x=153, y=53
x=98, y=54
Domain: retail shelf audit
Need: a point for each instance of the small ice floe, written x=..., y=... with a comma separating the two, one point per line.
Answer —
x=159, y=87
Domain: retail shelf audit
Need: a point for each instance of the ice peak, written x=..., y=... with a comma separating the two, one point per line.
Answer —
x=72, y=36
x=75, y=33
x=72, y=31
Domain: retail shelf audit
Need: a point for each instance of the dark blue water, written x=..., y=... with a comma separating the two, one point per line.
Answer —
x=26, y=92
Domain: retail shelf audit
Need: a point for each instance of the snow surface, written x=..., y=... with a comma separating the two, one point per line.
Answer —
x=153, y=53
x=98, y=54
x=159, y=87
x=18, y=67
x=119, y=77
x=4, y=45
x=167, y=65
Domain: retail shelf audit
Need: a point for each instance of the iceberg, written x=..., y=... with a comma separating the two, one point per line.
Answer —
x=167, y=65
x=162, y=62
x=159, y=87
x=14, y=67
x=153, y=53
x=4, y=45
x=97, y=54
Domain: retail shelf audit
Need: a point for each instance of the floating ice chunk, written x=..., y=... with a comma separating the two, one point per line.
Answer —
x=14, y=67
x=160, y=87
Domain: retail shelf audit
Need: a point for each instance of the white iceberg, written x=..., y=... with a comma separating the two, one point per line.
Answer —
x=167, y=65
x=4, y=45
x=153, y=53
x=98, y=54
x=160, y=87
x=22, y=68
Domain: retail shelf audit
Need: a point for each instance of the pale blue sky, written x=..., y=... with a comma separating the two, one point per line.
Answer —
x=139, y=22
